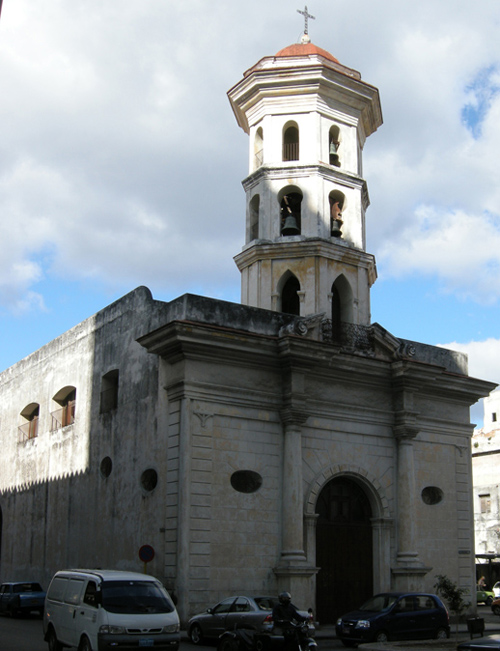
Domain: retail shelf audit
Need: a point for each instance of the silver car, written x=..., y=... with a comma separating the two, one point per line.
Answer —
x=234, y=612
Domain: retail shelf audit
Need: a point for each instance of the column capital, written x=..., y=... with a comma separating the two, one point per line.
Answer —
x=293, y=416
x=405, y=424
x=405, y=432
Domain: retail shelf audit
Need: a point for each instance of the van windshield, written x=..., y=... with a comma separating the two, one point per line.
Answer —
x=135, y=597
x=379, y=603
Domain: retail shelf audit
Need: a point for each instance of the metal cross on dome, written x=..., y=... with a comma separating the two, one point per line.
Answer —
x=306, y=15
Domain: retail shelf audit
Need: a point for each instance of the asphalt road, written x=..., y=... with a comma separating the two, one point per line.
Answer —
x=26, y=634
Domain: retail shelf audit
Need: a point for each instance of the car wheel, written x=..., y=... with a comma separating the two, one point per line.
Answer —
x=53, y=642
x=85, y=644
x=496, y=610
x=441, y=634
x=489, y=601
x=381, y=637
x=14, y=608
x=195, y=634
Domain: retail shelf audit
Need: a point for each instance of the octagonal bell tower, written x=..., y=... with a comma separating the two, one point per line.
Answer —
x=307, y=117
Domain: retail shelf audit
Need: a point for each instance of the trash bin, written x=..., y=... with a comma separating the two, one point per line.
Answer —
x=475, y=626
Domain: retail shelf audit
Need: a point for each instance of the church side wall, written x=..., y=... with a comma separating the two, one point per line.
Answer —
x=37, y=472
x=77, y=496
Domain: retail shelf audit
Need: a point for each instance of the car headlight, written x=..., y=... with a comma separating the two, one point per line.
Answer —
x=172, y=628
x=339, y=621
x=363, y=623
x=113, y=630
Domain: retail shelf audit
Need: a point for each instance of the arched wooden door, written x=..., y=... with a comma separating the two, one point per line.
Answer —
x=344, y=551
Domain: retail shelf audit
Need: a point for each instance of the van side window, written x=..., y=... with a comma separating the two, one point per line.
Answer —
x=89, y=597
x=57, y=589
x=74, y=591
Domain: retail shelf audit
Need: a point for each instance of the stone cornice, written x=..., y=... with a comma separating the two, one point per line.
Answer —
x=307, y=247
x=310, y=82
x=287, y=170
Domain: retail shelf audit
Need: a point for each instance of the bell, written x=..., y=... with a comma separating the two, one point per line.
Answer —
x=290, y=226
x=337, y=227
x=334, y=157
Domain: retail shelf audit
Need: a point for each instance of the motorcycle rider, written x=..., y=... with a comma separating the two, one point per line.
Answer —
x=284, y=615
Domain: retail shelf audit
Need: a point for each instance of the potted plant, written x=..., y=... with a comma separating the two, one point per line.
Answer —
x=454, y=598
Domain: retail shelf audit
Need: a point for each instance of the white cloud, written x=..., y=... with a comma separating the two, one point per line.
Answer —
x=120, y=158
x=483, y=357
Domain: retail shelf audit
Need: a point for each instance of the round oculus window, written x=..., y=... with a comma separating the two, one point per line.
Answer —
x=106, y=467
x=246, y=481
x=432, y=495
x=149, y=479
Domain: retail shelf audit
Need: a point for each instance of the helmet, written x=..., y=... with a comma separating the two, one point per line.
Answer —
x=285, y=598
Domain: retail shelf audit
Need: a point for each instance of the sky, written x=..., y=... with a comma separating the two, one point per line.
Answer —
x=121, y=161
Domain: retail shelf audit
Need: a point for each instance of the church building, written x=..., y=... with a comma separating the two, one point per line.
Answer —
x=284, y=443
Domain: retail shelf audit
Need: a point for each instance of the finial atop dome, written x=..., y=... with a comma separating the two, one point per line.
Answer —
x=306, y=15
x=304, y=39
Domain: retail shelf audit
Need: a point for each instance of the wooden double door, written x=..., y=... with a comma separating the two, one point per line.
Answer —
x=344, y=549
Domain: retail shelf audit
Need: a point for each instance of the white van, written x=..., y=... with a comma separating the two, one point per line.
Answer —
x=98, y=610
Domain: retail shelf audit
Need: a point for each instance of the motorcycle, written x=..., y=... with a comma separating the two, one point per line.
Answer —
x=295, y=636
x=239, y=639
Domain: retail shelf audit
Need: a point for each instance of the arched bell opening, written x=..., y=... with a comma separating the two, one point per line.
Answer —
x=334, y=145
x=342, y=305
x=288, y=289
x=254, y=208
x=290, y=200
x=337, y=206
x=290, y=141
x=258, y=148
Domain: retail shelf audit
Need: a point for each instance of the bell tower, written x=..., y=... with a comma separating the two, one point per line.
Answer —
x=307, y=117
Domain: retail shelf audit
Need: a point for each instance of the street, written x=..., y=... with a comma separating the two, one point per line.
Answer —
x=26, y=634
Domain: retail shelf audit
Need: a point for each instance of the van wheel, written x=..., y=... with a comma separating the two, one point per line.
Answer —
x=496, y=610
x=84, y=644
x=381, y=637
x=53, y=642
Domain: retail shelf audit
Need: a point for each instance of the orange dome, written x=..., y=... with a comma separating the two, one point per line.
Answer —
x=303, y=49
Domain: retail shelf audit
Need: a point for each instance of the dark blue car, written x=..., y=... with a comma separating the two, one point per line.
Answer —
x=21, y=597
x=395, y=616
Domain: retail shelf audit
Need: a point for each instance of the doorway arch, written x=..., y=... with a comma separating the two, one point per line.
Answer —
x=344, y=548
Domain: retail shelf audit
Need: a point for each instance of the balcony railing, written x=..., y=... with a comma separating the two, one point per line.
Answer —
x=28, y=430
x=290, y=151
x=109, y=399
x=349, y=336
x=64, y=416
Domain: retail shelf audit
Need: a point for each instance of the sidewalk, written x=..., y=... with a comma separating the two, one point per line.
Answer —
x=490, y=628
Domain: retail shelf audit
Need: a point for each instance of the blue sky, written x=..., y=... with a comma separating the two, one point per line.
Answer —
x=121, y=161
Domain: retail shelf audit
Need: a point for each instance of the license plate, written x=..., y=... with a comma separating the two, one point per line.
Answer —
x=346, y=631
x=146, y=642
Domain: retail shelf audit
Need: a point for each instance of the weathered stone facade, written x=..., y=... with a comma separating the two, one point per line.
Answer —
x=255, y=447
x=208, y=389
